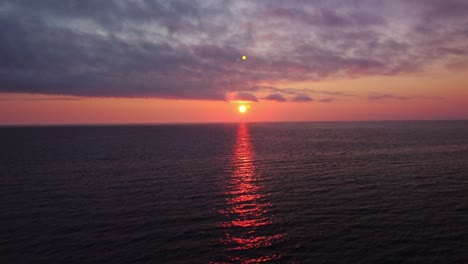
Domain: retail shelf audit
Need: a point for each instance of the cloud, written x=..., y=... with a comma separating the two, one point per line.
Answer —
x=40, y=99
x=245, y=97
x=192, y=50
x=386, y=96
x=377, y=97
x=327, y=17
x=327, y=100
x=301, y=98
x=275, y=97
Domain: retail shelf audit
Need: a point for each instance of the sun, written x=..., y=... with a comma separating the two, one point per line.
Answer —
x=242, y=109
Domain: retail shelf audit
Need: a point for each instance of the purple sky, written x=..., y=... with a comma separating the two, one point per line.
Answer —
x=193, y=49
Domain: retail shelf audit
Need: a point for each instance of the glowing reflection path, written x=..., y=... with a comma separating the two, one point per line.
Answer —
x=249, y=232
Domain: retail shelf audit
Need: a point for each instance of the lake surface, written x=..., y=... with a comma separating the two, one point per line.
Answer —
x=350, y=192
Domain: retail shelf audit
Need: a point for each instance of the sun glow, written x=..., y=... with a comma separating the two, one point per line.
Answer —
x=242, y=109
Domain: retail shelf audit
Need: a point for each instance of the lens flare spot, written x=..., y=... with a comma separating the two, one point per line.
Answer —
x=244, y=57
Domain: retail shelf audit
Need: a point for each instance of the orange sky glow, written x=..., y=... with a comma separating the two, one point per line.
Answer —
x=435, y=96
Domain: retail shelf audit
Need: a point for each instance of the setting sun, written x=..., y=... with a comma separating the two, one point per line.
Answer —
x=242, y=108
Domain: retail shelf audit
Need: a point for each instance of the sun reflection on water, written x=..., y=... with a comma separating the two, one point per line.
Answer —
x=249, y=234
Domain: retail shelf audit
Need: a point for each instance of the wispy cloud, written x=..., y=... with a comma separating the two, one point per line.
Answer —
x=275, y=97
x=192, y=49
x=302, y=98
x=386, y=96
x=32, y=98
x=327, y=100
x=245, y=97
x=377, y=97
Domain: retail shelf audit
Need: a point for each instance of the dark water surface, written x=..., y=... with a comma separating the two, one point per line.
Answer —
x=376, y=192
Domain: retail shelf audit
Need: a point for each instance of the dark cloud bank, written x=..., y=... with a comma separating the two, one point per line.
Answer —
x=193, y=49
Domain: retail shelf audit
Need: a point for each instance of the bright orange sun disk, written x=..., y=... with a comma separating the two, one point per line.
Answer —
x=242, y=108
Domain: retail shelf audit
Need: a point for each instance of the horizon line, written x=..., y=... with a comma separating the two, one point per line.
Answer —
x=227, y=122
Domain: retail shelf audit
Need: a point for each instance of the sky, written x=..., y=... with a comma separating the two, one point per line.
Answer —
x=149, y=61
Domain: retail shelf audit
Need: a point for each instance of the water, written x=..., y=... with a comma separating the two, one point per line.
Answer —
x=370, y=192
